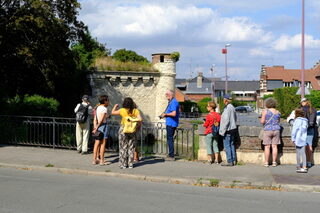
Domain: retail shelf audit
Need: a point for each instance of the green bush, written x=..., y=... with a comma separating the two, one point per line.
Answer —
x=287, y=100
x=31, y=105
x=187, y=105
x=267, y=96
x=314, y=97
x=202, y=105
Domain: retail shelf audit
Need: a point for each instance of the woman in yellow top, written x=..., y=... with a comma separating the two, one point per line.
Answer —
x=127, y=141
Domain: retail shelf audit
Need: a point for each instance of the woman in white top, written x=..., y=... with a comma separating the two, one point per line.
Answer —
x=99, y=123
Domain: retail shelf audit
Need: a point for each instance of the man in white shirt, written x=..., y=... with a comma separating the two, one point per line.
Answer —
x=83, y=125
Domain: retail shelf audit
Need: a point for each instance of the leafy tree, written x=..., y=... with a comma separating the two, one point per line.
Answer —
x=128, y=55
x=35, y=40
x=87, y=50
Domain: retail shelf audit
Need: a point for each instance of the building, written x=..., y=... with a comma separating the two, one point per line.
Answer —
x=275, y=77
x=201, y=87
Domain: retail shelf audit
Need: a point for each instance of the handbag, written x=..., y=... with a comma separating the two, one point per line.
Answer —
x=98, y=135
x=215, y=127
x=261, y=134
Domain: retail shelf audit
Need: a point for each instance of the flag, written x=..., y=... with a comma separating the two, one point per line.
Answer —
x=224, y=51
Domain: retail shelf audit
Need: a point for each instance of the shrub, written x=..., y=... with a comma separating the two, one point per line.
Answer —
x=187, y=105
x=202, y=105
x=31, y=105
x=287, y=100
x=175, y=56
x=314, y=97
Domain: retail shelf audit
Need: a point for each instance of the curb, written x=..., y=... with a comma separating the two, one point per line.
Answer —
x=172, y=180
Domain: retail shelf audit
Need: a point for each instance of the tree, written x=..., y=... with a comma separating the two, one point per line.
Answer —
x=124, y=55
x=87, y=50
x=35, y=40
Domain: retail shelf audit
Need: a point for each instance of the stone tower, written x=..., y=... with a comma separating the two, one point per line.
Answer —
x=167, y=68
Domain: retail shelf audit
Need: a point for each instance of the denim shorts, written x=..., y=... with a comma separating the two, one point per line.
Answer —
x=104, y=128
x=310, y=134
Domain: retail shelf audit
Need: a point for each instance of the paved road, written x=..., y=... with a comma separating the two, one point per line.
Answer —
x=33, y=192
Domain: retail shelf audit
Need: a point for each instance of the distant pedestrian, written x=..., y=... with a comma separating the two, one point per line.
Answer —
x=171, y=115
x=212, y=121
x=311, y=115
x=270, y=118
x=83, y=111
x=299, y=138
x=127, y=132
x=100, y=125
x=228, y=129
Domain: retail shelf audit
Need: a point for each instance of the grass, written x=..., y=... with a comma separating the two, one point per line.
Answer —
x=214, y=182
x=49, y=165
x=240, y=163
x=109, y=64
x=108, y=170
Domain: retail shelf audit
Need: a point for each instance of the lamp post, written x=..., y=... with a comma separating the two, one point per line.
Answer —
x=302, y=53
x=212, y=69
x=225, y=52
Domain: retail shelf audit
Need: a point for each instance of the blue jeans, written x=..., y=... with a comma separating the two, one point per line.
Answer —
x=228, y=142
x=170, y=134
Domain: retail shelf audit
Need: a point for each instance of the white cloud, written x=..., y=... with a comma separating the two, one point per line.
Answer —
x=286, y=42
x=262, y=52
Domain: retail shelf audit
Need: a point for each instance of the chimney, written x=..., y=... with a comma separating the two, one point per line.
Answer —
x=199, y=80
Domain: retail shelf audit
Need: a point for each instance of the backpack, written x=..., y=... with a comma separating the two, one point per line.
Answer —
x=215, y=128
x=82, y=113
x=131, y=124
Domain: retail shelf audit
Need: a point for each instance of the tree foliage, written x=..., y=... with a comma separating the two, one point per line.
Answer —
x=36, y=58
x=87, y=50
x=287, y=100
x=124, y=55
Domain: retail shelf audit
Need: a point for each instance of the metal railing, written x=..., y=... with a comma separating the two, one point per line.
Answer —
x=55, y=132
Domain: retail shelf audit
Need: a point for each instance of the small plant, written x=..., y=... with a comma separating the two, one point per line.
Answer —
x=49, y=165
x=214, y=182
x=175, y=56
x=108, y=170
x=240, y=163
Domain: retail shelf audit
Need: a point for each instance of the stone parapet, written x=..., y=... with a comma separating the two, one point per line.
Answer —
x=250, y=149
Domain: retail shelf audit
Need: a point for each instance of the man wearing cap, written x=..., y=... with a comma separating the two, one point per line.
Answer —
x=83, y=127
x=228, y=130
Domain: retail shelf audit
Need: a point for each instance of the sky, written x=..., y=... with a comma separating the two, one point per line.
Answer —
x=261, y=32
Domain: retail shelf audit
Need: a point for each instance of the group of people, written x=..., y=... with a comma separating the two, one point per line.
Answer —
x=216, y=125
x=227, y=128
x=129, y=125
x=302, y=133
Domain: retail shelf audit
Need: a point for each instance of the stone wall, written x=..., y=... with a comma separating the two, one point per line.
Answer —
x=147, y=89
x=249, y=146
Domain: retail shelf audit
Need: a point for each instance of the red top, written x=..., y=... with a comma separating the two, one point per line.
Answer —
x=210, y=119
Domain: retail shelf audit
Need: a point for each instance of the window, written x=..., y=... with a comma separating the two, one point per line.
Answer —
x=161, y=58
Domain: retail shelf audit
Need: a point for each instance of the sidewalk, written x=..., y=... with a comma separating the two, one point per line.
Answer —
x=156, y=169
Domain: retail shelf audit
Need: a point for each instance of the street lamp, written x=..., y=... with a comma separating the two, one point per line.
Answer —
x=225, y=52
x=212, y=69
x=302, y=53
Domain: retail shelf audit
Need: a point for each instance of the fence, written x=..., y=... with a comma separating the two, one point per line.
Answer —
x=57, y=132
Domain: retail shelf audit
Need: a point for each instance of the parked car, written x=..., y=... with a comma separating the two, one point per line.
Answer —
x=249, y=108
x=318, y=118
x=291, y=117
x=241, y=109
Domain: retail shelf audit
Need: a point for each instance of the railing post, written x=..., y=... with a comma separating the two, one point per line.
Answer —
x=54, y=132
x=193, y=129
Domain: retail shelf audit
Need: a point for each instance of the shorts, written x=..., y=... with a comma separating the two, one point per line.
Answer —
x=271, y=137
x=104, y=128
x=310, y=134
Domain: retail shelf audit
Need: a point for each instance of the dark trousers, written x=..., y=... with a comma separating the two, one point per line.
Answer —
x=170, y=133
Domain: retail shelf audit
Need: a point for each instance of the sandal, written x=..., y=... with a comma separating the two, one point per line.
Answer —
x=274, y=164
x=266, y=165
x=95, y=162
x=105, y=163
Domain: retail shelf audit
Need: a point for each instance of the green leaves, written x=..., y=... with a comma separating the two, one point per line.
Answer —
x=124, y=55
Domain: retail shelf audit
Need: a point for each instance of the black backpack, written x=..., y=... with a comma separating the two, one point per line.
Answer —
x=82, y=113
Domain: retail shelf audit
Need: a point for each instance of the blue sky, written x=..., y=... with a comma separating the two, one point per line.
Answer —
x=261, y=32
